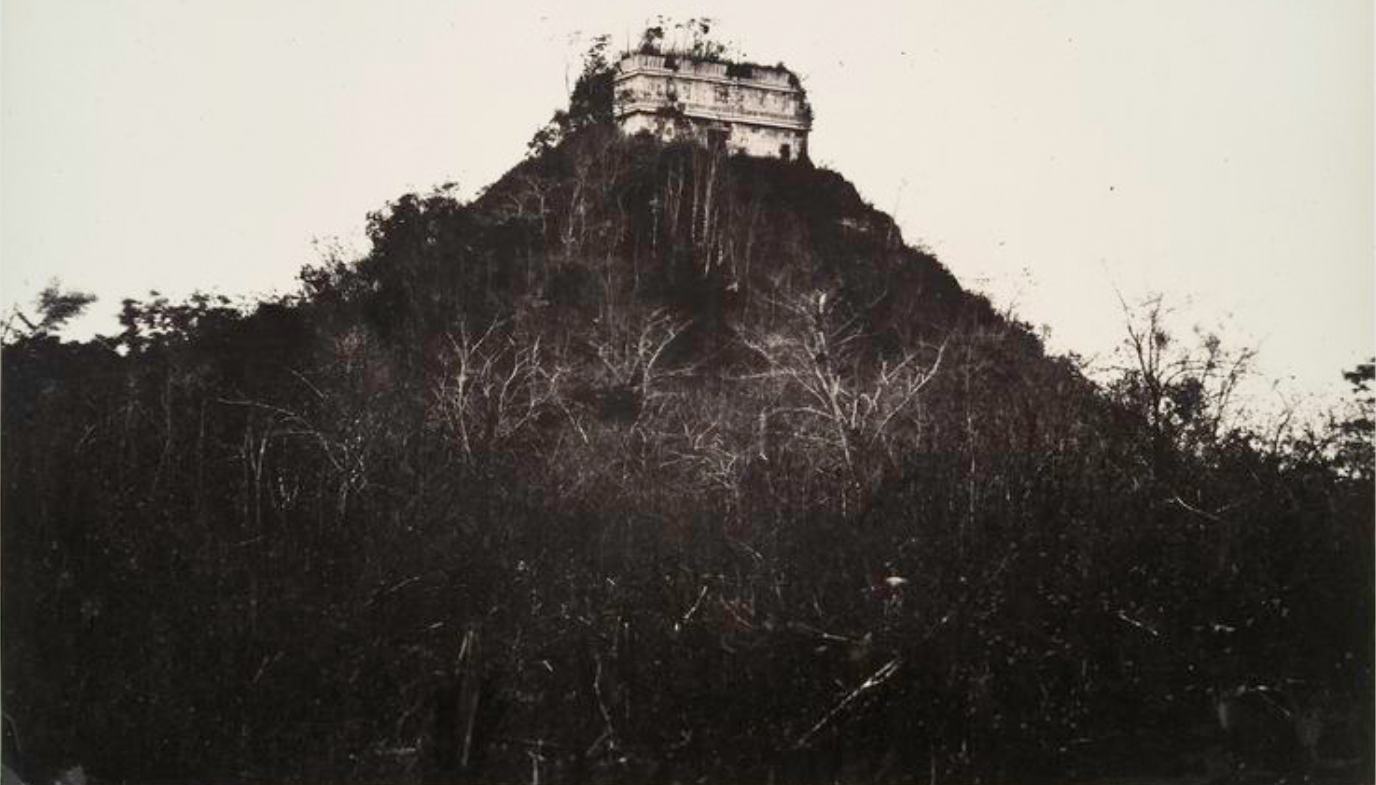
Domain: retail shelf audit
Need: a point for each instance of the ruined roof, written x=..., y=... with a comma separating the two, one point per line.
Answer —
x=686, y=64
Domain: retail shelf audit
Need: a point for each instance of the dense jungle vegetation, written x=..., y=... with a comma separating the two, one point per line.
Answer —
x=651, y=464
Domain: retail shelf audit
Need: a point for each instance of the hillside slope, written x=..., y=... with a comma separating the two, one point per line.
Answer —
x=652, y=464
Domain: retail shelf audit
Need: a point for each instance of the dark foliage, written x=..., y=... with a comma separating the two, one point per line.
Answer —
x=591, y=101
x=656, y=465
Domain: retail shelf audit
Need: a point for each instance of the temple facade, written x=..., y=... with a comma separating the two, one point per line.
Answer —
x=751, y=109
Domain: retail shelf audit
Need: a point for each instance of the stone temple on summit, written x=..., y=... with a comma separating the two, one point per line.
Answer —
x=743, y=107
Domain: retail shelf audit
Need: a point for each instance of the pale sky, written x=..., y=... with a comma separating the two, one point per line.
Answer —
x=1219, y=151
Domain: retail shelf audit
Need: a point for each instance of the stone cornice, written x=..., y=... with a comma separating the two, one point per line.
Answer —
x=669, y=73
x=704, y=112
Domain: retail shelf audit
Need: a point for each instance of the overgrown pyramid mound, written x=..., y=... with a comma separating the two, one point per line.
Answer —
x=653, y=463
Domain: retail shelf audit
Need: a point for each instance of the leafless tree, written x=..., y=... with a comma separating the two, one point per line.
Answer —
x=856, y=401
x=494, y=388
x=1186, y=394
x=632, y=350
